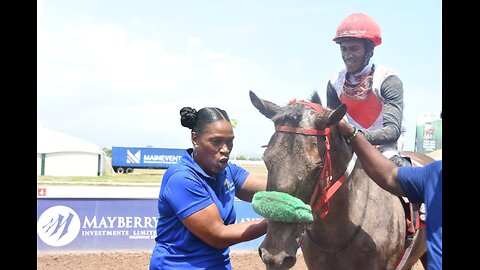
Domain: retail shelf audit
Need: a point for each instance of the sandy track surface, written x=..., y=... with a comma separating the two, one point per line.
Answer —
x=241, y=260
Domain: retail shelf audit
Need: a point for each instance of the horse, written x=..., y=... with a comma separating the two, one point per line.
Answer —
x=357, y=224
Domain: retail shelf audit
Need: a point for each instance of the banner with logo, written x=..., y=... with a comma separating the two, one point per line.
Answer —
x=429, y=132
x=109, y=224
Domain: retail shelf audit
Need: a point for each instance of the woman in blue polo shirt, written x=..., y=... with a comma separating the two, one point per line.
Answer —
x=196, y=224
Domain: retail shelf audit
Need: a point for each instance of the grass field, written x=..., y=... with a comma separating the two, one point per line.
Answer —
x=139, y=176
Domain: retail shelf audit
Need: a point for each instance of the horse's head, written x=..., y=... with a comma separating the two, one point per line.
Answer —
x=298, y=160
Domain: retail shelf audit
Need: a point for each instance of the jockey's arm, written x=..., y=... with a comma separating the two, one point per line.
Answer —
x=392, y=96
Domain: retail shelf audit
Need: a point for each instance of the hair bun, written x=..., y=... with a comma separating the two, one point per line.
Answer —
x=188, y=117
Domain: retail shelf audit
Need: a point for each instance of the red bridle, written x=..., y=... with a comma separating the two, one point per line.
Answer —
x=326, y=174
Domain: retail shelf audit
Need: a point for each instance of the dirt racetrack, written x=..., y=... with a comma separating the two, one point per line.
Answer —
x=247, y=260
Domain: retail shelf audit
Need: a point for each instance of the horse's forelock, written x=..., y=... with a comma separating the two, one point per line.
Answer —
x=291, y=114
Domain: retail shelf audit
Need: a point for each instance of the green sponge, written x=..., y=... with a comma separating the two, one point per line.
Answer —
x=281, y=206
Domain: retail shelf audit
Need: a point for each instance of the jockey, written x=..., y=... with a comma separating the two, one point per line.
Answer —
x=373, y=93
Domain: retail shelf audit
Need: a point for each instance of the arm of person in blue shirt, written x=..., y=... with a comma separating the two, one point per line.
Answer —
x=255, y=182
x=382, y=170
x=207, y=224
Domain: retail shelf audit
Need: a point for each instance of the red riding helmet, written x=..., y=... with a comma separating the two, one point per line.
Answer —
x=359, y=25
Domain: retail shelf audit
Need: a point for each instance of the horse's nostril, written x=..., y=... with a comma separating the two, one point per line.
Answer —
x=289, y=261
x=266, y=257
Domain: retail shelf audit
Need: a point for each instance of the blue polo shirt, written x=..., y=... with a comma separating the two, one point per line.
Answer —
x=424, y=184
x=187, y=189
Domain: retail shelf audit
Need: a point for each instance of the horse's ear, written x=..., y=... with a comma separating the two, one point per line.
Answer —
x=316, y=98
x=267, y=108
x=337, y=114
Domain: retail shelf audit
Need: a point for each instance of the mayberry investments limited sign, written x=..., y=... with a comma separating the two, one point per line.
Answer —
x=108, y=224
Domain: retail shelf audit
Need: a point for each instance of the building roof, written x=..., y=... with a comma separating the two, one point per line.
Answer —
x=51, y=141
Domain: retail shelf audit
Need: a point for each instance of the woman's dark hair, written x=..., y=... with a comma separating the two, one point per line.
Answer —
x=196, y=121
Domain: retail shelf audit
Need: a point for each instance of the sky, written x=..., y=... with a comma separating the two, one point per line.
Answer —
x=117, y=72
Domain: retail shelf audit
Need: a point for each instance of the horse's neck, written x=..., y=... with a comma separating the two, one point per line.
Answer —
x=344, y=164
x=347, y=206
x=341, y=155
x=352, y=192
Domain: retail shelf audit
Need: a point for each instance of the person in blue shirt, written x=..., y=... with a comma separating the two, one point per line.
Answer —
x=196, y=224
x=418, y=184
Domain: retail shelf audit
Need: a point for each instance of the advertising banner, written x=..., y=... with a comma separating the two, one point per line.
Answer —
x=78, y=224
x=428, y=136
x=145, y=157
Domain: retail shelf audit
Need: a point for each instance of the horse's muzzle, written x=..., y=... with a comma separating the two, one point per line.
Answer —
x=277, y=261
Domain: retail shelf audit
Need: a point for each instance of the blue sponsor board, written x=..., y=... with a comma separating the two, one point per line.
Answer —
x=109, y=224
x=145, y=157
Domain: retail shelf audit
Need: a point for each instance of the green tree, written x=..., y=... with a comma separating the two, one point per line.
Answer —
x=108, y=151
